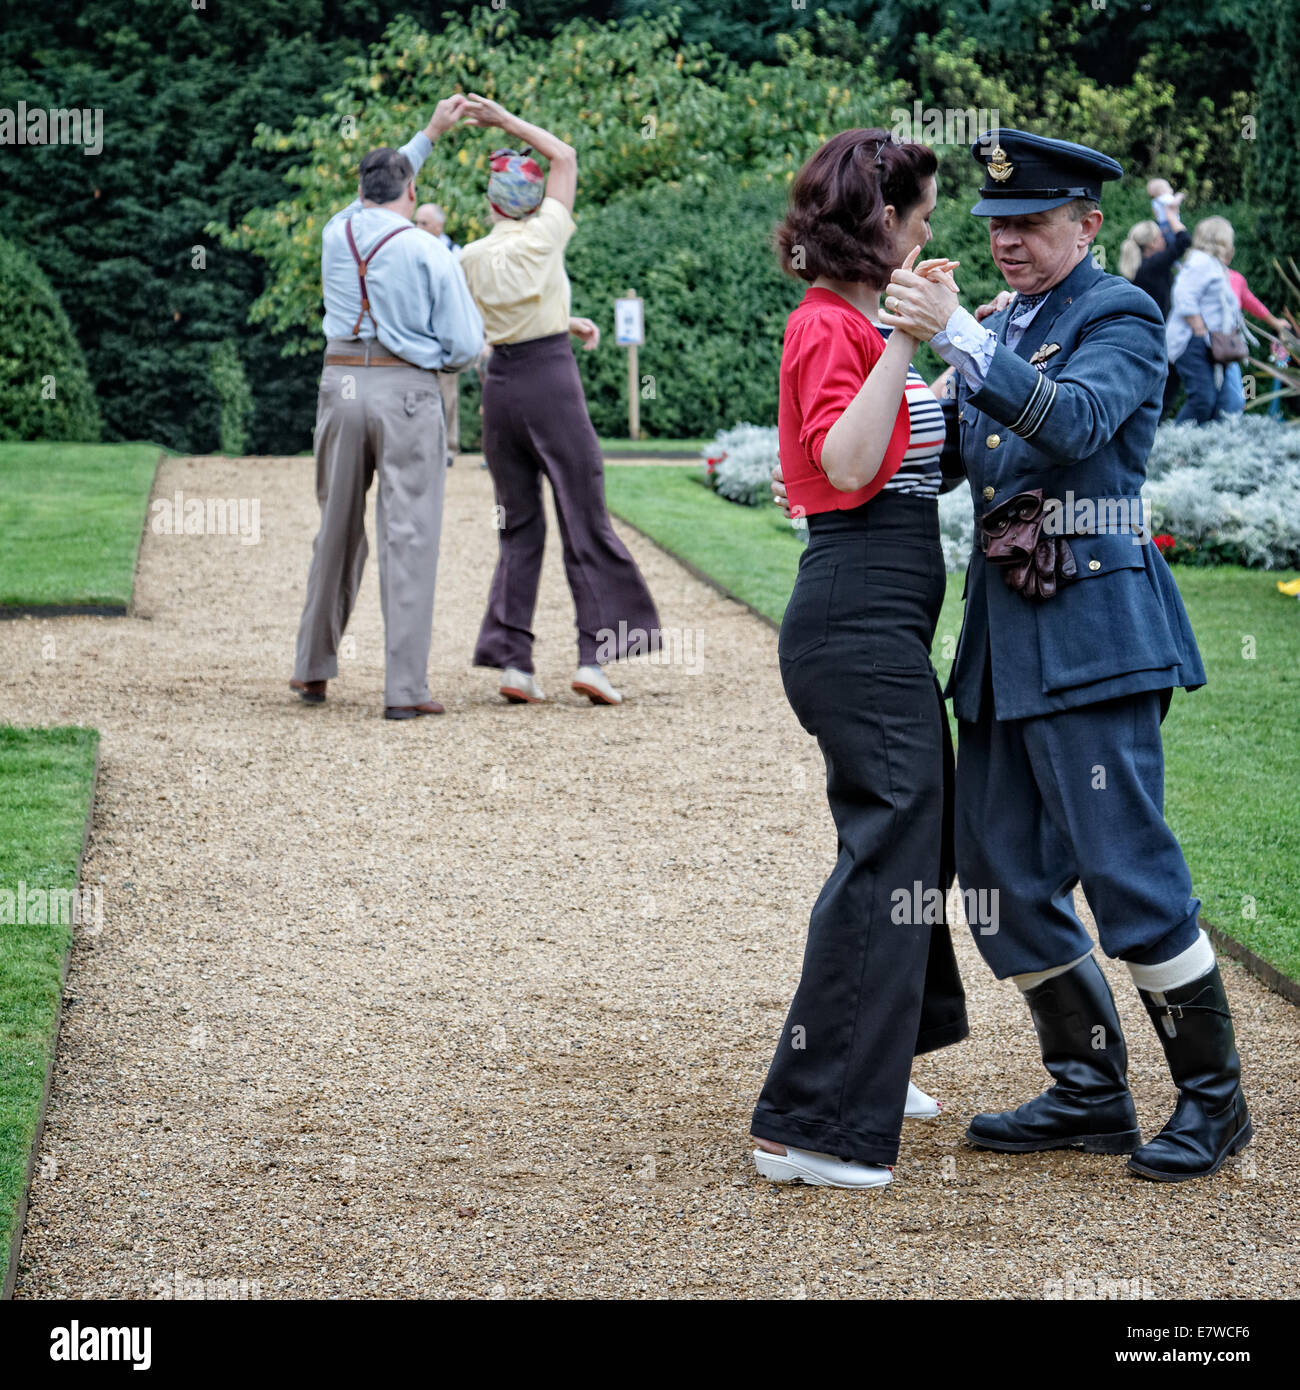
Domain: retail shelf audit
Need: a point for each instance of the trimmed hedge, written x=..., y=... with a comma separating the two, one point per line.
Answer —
x=716, y=303
x=45, y=392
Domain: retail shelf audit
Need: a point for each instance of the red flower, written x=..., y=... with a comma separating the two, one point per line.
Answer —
x=1164, y=541
x=711, y=464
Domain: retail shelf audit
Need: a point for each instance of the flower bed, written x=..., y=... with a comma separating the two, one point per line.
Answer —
x=1220, y=494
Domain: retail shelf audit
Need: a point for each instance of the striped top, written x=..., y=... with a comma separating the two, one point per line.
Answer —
x=918, y=472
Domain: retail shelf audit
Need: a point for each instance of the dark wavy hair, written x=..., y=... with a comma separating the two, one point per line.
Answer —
x=834, y=225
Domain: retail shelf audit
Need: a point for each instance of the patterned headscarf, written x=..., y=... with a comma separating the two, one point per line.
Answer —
x=517, y=184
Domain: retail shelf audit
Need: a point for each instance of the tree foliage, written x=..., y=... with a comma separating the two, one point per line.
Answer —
x=640, y=109
x=223, y=147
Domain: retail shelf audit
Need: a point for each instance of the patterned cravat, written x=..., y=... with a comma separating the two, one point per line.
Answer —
x=1026, y=303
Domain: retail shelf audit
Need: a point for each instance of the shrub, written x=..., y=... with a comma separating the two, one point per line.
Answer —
x=739, y=464
x=956, y=527
x=45, y=392
x=236, y=400
x=716, y=303
x=1227, y=493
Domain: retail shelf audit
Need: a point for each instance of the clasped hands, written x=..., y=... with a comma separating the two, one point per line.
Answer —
x=920, y=296
x=472, y=109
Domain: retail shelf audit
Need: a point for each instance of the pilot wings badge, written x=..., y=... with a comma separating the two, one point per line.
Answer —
x=1039, y=359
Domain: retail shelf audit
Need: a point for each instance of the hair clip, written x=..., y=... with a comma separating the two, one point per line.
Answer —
x=880, y=146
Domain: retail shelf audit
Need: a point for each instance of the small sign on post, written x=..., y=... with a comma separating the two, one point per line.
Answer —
x=629, y=332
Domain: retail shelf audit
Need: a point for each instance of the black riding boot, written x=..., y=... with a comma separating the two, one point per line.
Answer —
x=1090, y=1107
x=1211, y=1121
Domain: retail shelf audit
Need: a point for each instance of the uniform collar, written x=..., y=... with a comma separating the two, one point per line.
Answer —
x=1081, y=278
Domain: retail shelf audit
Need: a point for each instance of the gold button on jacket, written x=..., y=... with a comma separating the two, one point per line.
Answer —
x=993, y=441
x=1094, y=564
x=988, y=494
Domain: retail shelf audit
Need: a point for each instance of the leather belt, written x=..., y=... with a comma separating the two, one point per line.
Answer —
x=350, y=359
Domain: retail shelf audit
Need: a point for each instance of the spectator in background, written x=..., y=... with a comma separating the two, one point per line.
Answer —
x=429, y=217
x=1277, y=350
x=1203, y=303
x=1163, y=201
x=1148, y=257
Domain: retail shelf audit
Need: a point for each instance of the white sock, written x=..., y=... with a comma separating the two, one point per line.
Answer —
x=1186, y=966
x=1036, y=977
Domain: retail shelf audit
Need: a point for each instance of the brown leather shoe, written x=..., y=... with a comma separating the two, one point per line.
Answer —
x=309, y=692
x=412, y=711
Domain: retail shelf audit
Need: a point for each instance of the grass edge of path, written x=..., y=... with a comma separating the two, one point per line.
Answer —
x=62, y=558
x=66, y=827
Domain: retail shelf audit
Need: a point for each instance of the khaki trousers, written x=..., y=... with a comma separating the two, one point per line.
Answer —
x=383, y=422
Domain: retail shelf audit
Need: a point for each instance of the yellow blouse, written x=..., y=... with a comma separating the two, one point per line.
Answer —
x=516, y=275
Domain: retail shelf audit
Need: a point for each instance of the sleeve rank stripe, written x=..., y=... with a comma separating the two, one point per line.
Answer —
x=1035, y=411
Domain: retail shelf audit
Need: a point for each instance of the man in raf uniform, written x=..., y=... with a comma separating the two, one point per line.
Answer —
x=1073, y=640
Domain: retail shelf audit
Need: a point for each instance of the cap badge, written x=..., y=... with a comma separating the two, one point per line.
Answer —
x=999, y=168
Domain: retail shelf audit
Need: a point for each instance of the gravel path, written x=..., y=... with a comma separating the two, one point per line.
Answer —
x=478, y=1006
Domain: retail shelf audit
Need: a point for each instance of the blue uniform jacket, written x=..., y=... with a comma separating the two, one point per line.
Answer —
x=1080, y=428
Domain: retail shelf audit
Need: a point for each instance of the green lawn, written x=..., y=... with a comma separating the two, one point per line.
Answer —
x=71, y=516
x=1232, y=749
x=749, y=550
x=690, y=448
x=46, y=777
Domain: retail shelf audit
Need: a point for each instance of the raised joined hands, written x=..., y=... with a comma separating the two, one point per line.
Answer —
x=445, y=115
x=483, y=111
x=920, y=296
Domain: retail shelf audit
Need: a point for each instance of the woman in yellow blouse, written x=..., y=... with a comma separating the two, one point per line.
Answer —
x=535, y=423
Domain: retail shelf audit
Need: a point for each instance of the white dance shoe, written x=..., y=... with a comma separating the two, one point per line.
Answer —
x=520, y=687
x=920, y=1106
x=819, y=1170
x=592, y=682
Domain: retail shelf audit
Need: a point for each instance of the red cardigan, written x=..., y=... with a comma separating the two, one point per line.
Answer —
x=829, y=348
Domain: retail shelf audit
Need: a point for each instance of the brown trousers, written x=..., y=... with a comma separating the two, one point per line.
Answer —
x=535, y=425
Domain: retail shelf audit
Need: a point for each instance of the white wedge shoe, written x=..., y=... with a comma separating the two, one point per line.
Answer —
x=520, y=687
x=819, y=1170
x=920, y=1106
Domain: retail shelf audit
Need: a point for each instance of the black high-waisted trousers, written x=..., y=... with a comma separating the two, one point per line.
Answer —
x=879, y=982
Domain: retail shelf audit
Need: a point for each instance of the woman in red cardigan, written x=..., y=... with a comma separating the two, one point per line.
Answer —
x=860, y=438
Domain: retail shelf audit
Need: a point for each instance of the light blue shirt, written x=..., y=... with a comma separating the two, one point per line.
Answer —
x=966, y=344
x=417, y=290
x=1200, y=287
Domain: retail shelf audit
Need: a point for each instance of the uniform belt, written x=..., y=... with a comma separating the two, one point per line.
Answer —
x=1077, y=533
x=375, y=359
